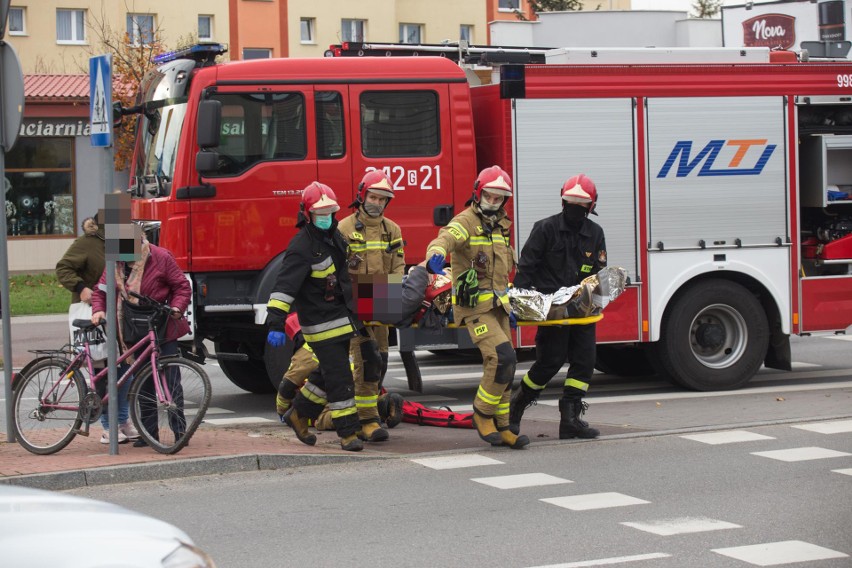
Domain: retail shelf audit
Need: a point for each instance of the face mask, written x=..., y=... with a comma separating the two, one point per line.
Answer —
x=489, y=207
x=373, y=210
x=322, y=222
x=574, y=212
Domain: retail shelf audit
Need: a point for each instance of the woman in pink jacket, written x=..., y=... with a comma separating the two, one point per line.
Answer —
x=155, y=274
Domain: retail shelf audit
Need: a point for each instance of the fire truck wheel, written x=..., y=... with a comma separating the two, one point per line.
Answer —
x=248, y=375
x=624, y=361
x=714, y=336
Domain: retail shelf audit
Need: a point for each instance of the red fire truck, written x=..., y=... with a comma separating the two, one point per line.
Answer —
x=725, y=182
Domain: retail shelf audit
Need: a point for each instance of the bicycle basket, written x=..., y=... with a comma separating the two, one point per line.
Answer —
x=134, y=323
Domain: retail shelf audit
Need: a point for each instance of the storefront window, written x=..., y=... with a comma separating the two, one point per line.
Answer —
x=40, y=188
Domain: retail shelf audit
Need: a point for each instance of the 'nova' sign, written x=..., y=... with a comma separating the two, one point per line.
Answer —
x=770, y=30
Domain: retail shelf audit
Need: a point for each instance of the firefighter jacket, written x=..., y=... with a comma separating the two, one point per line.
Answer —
x=555, y=255
x=465, y=237
x=313, y=276
x=375, y=244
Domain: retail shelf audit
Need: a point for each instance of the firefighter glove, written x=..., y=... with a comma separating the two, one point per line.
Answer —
x=513, y=321
x=436, y=264
x=276, y=338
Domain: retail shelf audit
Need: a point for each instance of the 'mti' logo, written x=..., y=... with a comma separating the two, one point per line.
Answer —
x=682, y=153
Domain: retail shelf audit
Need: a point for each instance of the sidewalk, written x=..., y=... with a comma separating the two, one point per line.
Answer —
x=85, y=461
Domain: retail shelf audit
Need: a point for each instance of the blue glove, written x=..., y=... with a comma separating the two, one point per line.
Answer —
x=436, y=264
x=276, y=338
x=513, y=321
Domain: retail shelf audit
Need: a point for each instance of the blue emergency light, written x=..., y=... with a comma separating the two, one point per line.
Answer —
x=199, y=52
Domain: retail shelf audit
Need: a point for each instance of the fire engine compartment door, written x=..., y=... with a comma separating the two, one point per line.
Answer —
x=405, y=129
x=717, y=172
x=559, y=138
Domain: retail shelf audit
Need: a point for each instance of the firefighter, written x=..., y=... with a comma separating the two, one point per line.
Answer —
x=375, y=247
x=313, y=276
x=478, y=240
x=562, y=250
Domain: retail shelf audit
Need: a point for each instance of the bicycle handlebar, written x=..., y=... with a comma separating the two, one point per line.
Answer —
x=149, y=301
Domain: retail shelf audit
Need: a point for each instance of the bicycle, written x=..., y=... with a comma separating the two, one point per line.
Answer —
x=53, y=401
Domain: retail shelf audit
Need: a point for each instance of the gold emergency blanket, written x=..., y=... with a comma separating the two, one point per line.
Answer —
x=588, y=298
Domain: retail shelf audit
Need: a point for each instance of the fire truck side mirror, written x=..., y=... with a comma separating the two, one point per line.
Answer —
x=442, y=215
x=206, y=162
x=209, y=123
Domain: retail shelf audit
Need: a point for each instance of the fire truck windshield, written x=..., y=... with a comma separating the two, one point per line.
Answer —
x=163, y=112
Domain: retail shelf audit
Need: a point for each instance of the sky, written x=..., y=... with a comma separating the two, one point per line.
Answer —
x=674, y=4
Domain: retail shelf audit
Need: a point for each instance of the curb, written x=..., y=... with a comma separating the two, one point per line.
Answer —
x=131, y=473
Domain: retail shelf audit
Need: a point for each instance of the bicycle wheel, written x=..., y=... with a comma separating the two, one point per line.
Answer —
x=168, y=426
x=46, y=406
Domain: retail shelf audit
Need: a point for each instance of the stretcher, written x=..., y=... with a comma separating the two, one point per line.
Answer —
x=412, y=369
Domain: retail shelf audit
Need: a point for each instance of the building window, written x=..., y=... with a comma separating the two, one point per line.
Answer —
x=70, y=26
x=353, y=30
x=17, y=22
x=400, y=123
x=307, y=28
x=40, y=189
x=259, y=127
x=140, y=29
x=466, y=33
x=205, y=28
x=330, y=133
x=256, y=53
x=410, y=33
x=509, y=5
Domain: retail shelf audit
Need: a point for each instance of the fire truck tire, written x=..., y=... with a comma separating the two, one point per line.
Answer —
x=714, y=336
x=249, y=375
x=624, y=361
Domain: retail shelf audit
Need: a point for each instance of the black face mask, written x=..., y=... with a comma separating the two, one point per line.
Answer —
x=574, y=214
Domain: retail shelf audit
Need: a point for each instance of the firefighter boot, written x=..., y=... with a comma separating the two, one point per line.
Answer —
x=390, y=409
x=372, y=432
x=486, y=429
x=524, y=397
x=282, y=405
x=324, y=421
x=352, y=443
x=570, y=424
x=299, y=425
x=512, y=440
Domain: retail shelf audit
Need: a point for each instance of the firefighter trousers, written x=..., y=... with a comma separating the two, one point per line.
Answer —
x=367, y=373
x=302, y=364
x=556, y=344
x=332, y=385
x=490, y=332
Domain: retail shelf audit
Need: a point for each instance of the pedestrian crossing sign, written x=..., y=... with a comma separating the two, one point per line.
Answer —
x=100, y=100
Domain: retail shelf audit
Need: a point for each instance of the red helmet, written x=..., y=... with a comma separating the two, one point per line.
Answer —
x=580, y=189
x=319, y=198
x=376, y=181
x=495, y=180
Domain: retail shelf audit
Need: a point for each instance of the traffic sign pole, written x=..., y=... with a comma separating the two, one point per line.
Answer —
x=100, y=121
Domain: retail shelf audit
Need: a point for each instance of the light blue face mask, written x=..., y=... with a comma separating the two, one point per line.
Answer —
x=322, y=222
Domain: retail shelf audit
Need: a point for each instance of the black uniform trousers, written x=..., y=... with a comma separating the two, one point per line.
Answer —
x=557, y=343
x=334, y=379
